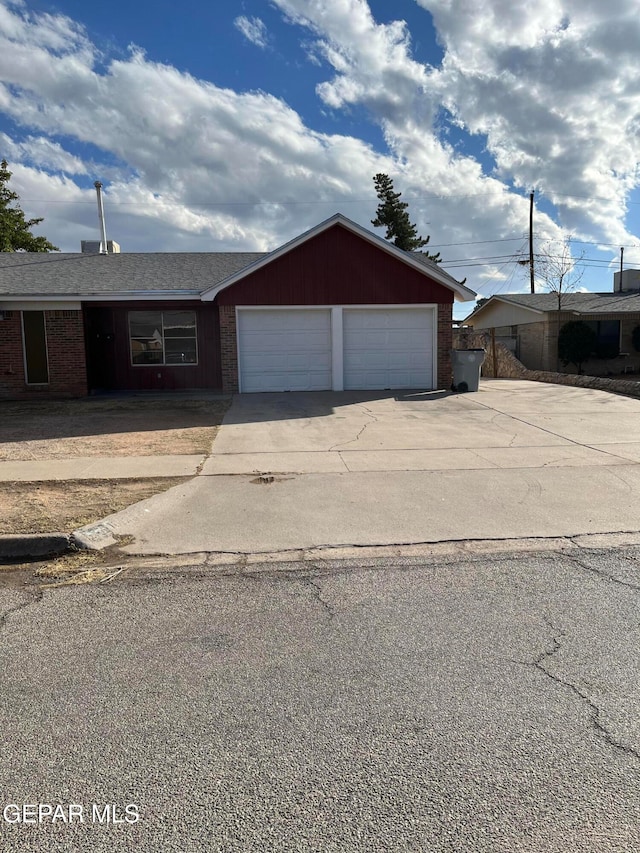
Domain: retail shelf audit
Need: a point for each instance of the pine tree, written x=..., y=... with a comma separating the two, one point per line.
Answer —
x=392, y=214
x=15, y=230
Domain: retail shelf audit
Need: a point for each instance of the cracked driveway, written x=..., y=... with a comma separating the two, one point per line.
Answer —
x=297, y=471
x=478, y=704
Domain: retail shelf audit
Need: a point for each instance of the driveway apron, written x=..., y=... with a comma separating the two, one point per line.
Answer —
x=301, y=471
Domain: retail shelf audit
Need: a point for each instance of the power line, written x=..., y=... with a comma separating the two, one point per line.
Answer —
x=476, y=242
x=599, y=243
x=508, y=193
x=488, y=258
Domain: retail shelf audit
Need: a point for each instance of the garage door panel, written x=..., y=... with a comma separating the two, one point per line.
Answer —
x=264, y=321
x=267, y=341
x=284, y=350
x=401, y=361
x=388, y=348
x=286, y=380
x=311, y=362
x=401, y=319
x=307, y=340
x=282, y=362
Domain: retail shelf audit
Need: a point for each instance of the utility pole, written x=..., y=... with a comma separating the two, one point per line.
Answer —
x=533, y=286
x=621, y=265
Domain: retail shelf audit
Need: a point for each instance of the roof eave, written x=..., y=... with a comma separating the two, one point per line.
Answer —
x=122, y=296
x=505, y=301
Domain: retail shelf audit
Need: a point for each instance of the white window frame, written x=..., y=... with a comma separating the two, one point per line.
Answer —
x=163, y=363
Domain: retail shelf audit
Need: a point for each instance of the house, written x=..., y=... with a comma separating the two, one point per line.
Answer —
x=528, y=324
x=336, y=308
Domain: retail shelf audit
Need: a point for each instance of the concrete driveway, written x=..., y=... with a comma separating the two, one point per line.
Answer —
x=507, y=424
x=299, y=471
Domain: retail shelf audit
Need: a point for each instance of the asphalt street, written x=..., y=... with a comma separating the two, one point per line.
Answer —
x=475, y=704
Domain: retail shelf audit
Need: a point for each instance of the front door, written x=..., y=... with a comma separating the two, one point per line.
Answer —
x=100, y=344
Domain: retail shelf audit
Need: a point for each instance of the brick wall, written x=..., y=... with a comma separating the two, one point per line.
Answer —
x=228, y=349
x=66, y=352
x=533, y=345
x=67, y=359
x=593, y=366
x=11, y=358
x=445, y=343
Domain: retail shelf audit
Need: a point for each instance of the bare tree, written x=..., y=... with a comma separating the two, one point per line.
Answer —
x=558, y=269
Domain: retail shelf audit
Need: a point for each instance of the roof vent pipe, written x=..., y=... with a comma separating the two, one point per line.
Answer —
x=104, y=249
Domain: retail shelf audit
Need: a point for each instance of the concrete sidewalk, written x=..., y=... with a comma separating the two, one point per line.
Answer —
x=100, y=468
x=307, y=471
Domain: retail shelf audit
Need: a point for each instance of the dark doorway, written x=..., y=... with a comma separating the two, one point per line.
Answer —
x=101, y=350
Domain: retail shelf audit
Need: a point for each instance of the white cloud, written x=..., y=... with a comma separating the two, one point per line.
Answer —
x=372, y=60
x=43, y=153
x=549, y=89
x=253, y=29
x=223, y=184
x=553, y=86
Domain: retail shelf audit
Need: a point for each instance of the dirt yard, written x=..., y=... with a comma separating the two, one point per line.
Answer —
x=109, y=427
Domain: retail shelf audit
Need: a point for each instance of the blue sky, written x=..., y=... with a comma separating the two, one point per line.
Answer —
x=237, y=125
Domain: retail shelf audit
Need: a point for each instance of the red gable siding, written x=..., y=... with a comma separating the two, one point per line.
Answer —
x=337, y=267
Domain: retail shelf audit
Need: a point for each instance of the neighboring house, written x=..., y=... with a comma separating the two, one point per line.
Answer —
x=529, y=322
x=336, y=308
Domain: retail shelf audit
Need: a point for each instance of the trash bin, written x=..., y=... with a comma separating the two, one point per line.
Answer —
x=466, y=364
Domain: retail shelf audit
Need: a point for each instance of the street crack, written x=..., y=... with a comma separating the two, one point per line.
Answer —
x=604, y=575
x=317, y=595
x=596, y=714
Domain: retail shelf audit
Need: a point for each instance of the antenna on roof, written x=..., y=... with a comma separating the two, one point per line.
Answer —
x=104, y=249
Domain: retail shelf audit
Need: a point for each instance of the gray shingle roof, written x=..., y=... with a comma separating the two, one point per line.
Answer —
x=584, y=303
x=75, y=274
x=418, y=256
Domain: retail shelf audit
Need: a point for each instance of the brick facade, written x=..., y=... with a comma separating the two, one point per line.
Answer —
x=228, y=349
x=11, y=357
x=445, y=343
x=598, y=366
x=537, y=343
x=66, y=355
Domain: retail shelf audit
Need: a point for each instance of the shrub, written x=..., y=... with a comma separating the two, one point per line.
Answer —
x=576, y=342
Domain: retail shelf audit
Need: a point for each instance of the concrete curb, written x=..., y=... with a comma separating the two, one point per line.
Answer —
x=93, y=537
x=33, y=545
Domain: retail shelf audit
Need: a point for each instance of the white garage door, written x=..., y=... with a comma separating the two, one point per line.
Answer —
x=388, y=348
x=284, y=349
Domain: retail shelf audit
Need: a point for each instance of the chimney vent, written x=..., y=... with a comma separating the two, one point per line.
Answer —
x=627, y=280
x=92, y=247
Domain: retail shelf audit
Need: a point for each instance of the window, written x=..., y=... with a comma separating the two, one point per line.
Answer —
x=163, y=337
x=36, y=361
x=607, y=337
